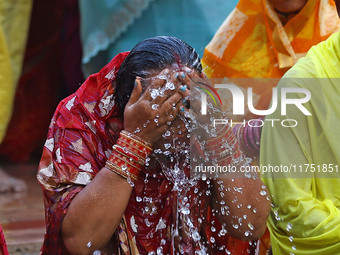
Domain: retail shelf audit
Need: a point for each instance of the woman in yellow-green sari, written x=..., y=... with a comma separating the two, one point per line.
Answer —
x=14, y=24
x=305, y=218
x=263, y=39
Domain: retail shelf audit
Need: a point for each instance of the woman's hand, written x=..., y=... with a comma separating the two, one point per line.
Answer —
x=150, y=114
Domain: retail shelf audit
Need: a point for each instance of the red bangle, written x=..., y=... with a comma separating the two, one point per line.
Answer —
x=128, y=156
x=225, y=148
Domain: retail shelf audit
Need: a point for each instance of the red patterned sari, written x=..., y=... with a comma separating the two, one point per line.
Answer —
x=78, y=144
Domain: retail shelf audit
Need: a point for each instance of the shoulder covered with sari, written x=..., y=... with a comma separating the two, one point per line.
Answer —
x=305, y=218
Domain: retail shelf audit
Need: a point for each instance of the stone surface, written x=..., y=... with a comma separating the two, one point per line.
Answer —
x=22, y=214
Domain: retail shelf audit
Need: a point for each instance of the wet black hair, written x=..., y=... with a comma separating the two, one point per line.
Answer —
x=153, y=54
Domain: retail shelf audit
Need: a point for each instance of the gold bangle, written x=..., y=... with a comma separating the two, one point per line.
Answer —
x=136, y=139
x=116, y=170
x=140, y=161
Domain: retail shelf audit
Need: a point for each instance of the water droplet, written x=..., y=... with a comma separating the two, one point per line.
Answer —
x=162, y=77
x=195, y=236
x=185, y=211
x=248, y=175
x=250, y=226
x=89, y=244
x=147, y=223
x=263, y=193
x=154, y=93
x=160, y=251
x=170, y=86
x=289, y=227
x=138, y=199
x=238, y=189
x=129, y=180
x=236, y=226
x=291, y=239
x=276, y=213
x=154, y=106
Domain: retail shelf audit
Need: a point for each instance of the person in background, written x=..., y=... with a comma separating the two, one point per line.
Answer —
x=14, y=25
x=115, y=169
x=264, y=39
x=305, y=216
x=53, y=57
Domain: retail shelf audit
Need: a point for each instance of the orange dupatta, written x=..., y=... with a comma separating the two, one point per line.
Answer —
x=253, y=43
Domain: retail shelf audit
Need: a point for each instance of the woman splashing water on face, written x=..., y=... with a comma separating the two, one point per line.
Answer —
x=116, y=169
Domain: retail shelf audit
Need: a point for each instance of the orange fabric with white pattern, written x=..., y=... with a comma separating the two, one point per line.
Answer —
x=253, y=43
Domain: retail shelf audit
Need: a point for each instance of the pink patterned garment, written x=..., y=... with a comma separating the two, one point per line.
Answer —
x=3, y=245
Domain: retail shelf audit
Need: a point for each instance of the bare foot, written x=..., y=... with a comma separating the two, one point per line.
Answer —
x=10, y=184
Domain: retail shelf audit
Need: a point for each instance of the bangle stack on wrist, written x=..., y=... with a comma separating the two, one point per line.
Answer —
x=249, y=137
x=128, y=156
x=225, y=149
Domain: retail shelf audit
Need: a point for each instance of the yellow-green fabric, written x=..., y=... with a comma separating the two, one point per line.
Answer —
x=305, y=218
x=14, y=24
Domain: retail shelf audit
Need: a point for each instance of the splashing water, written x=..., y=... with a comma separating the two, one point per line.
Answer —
x=188, y=196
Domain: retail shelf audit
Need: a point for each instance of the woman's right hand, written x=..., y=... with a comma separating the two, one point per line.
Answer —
x=149, y=115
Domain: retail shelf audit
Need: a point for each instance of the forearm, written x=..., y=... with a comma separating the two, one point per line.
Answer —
x=97, y=210
x=95, y=213
x=242, y=204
